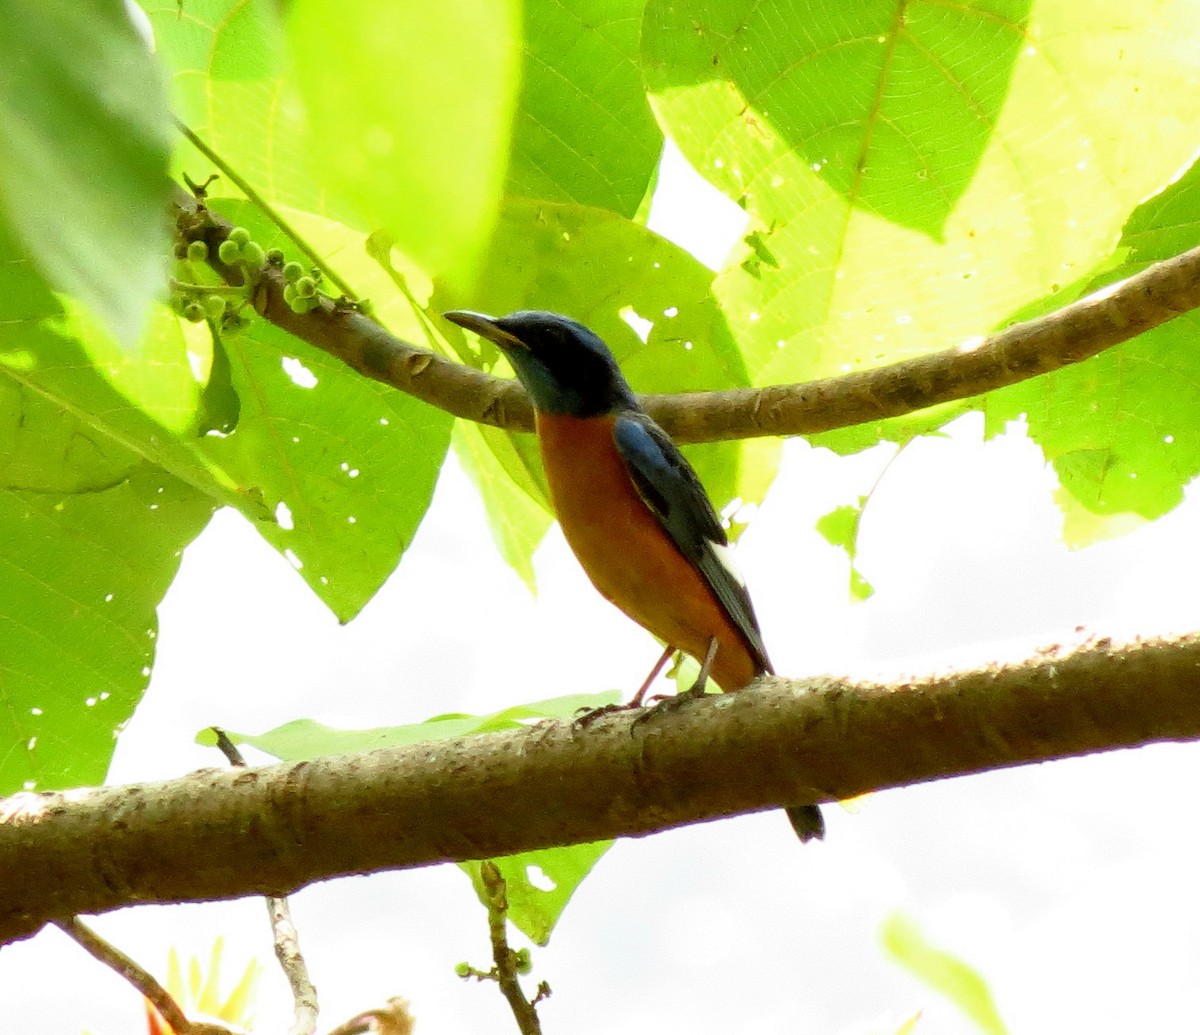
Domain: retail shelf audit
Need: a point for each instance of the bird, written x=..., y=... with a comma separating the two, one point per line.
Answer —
x=631, y=507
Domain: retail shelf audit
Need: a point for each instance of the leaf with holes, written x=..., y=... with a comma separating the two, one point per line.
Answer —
x=1120, y=427
x=864, y=250
x=82, y=571
x=344, y=466
x=583, y=130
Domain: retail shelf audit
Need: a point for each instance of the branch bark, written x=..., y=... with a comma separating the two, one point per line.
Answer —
x=1074, y=333
x=223, y=833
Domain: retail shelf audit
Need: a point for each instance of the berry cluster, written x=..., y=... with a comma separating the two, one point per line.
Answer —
x=300, y=288
x=225, y=304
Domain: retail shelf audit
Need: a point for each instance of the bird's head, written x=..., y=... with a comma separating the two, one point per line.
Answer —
x=565, y=367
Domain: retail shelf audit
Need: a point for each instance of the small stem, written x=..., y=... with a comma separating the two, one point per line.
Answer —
x=287, y=951
x=227, y=747
x=226, y=290
x=505, y=959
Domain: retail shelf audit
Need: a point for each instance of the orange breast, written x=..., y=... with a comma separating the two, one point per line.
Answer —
x=625, y=551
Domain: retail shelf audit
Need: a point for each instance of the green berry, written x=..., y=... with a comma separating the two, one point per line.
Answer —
x=253, y=254
x=233, y=322
x=197, y=251
x=275, y=256
x=462, y=969
x=214, y=307
x=230, y=252
x=306, y=287
x=239, y=235
x=289, y=293
x=194, y=311
x=292, y=272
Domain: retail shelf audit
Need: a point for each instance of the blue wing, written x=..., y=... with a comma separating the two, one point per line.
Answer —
x=671, y=489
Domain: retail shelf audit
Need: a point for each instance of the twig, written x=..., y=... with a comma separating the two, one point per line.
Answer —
x=227, y=747
x=287, y=951
x=286, y=937
x=506, y=962
x=141, y=979
x=1069, y=335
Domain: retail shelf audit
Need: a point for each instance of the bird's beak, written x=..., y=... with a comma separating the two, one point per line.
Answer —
x=486, y=327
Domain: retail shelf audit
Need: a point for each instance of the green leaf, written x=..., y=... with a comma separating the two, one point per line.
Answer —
x=90, y=529
x=220, y=405
x=943, y=972
x=120, y=404
x=305, y=738
x=826, y=284
x=84, y=145
x=584, y=131
x=1120, y=428
x=232, y=84
x=414, y=127
x=539, y=883
x=518, y=520
x=891, y=105
x=82, y=570
x=840, y=528
x=343, y=467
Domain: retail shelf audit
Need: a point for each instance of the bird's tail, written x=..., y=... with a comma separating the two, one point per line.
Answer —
x=807, y=821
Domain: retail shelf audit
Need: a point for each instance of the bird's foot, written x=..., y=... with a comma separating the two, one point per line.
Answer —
x=663, y=704
x=584, y=717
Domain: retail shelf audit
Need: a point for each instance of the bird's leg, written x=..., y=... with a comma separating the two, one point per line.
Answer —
x=697, y=688
x=586, y=716
x=636, y=700
x=666, y=703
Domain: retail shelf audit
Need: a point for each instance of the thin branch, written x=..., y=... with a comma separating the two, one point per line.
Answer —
x=141, y=979
x=506, y=961
x=258, y=830
x=284, y=934
x=287, y=951
x=1074, y=333
x=228, y=748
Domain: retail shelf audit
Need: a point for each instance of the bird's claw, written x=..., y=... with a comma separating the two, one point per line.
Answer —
x=584, y=717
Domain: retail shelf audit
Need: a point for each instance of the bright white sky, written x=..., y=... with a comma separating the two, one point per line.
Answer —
x=1071, y=886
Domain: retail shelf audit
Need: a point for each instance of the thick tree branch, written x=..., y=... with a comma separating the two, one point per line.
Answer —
x=225, y=833
x=283, y=930
x=1074, y=333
